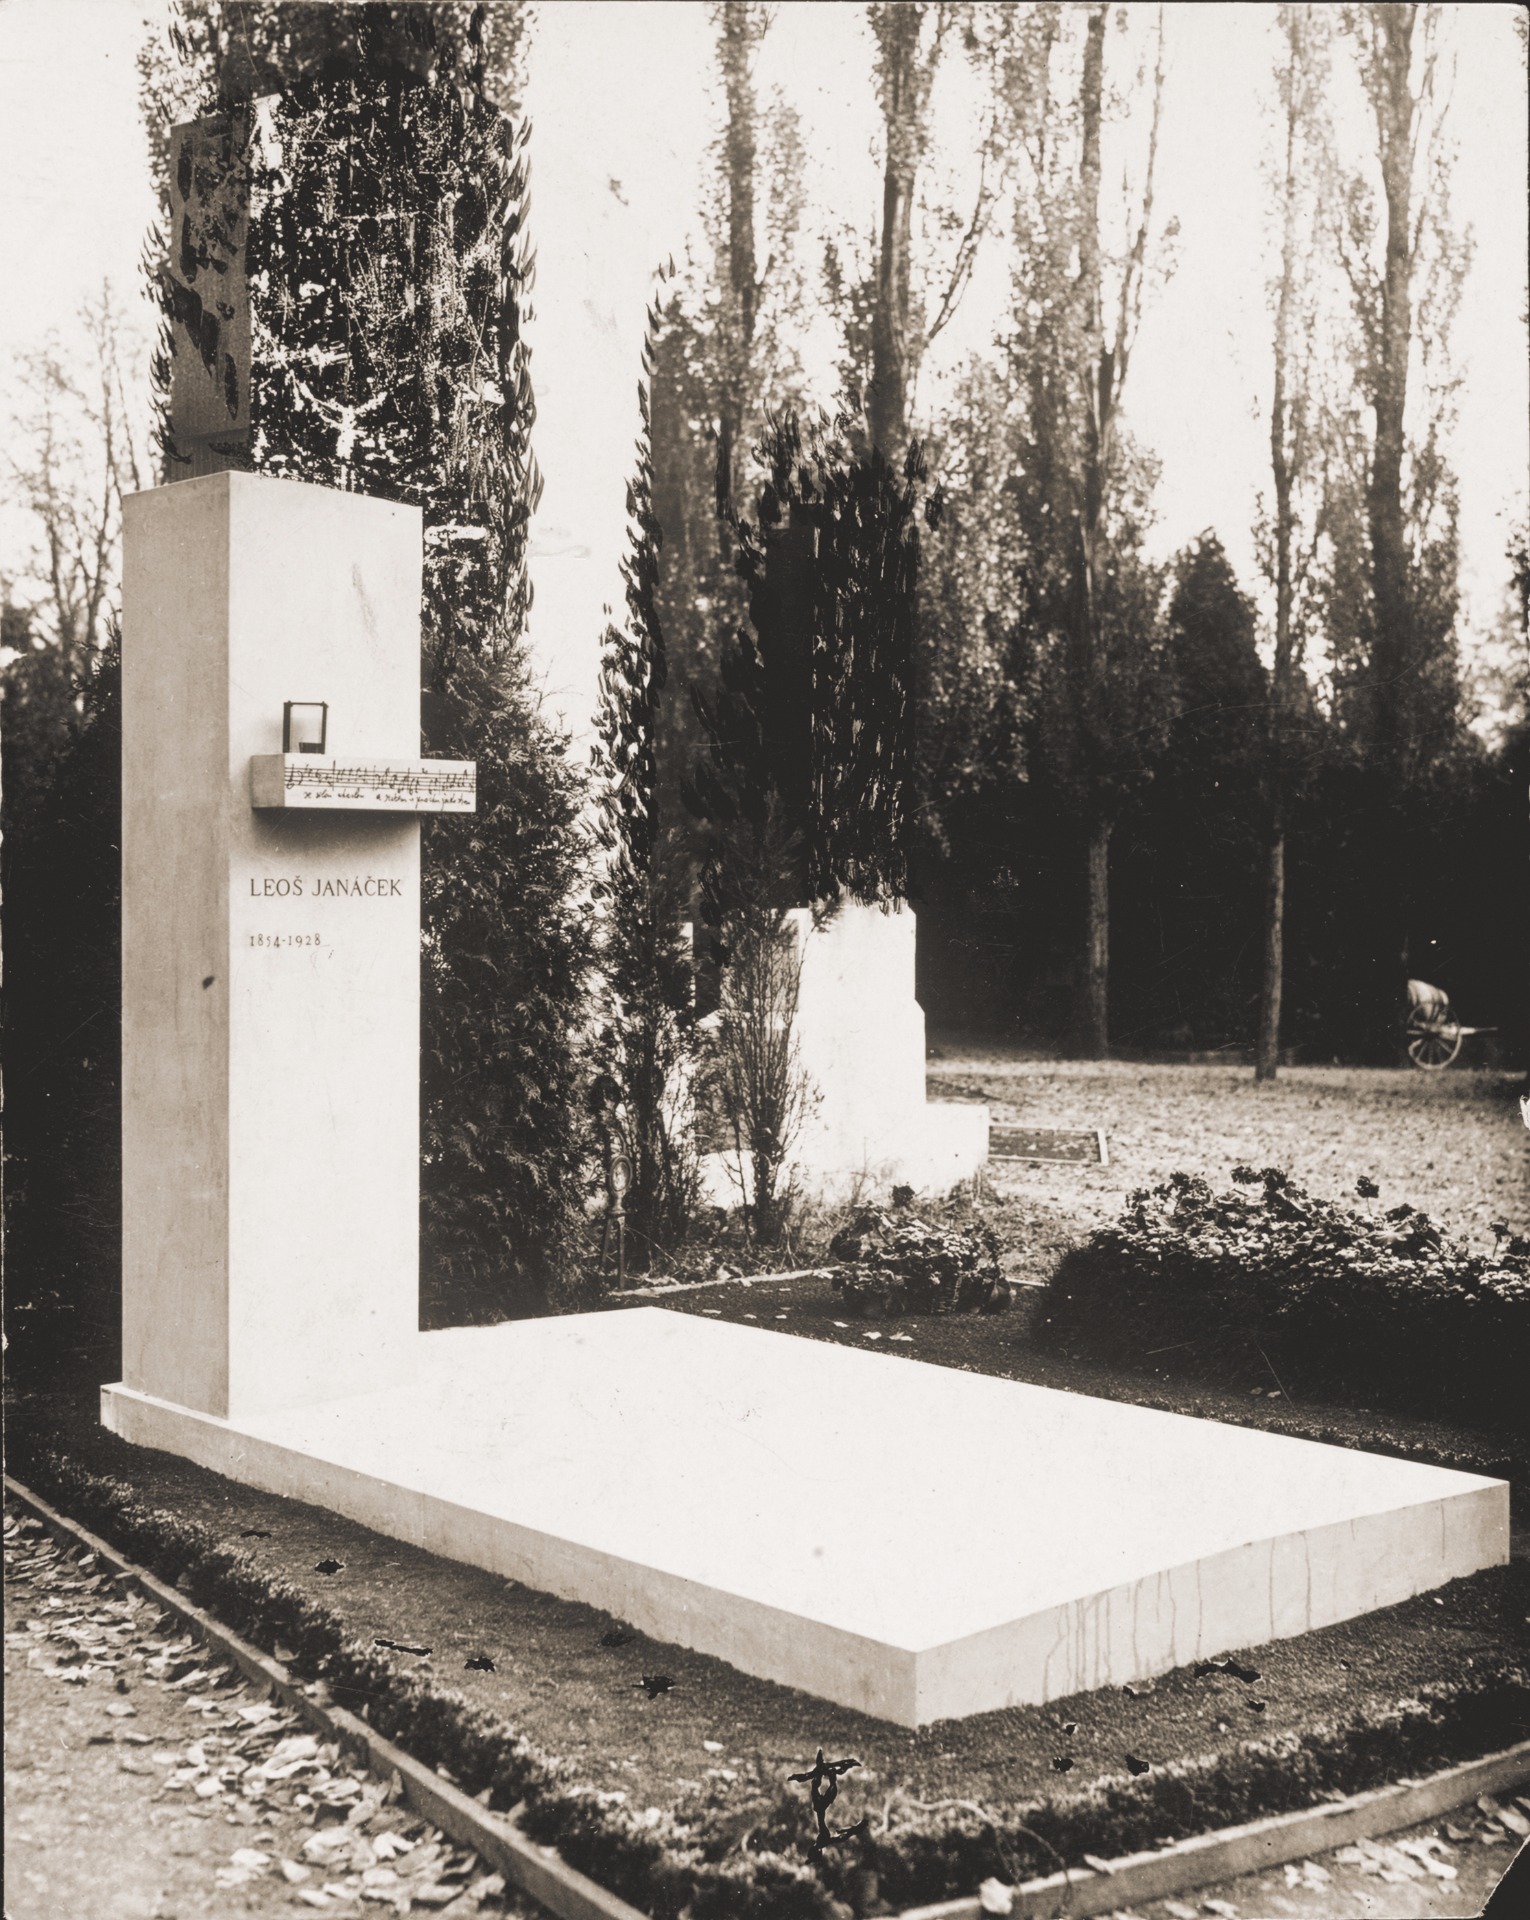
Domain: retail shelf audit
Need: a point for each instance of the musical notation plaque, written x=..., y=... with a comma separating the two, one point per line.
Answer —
x=316, y=782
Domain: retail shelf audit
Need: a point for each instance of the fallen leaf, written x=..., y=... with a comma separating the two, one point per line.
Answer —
x=321, y=1848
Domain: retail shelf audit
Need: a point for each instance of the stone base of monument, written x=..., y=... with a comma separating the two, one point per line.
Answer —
x=907, y=1540
x=859, y=1033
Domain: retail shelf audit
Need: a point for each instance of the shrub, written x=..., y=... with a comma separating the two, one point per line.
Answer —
x=59, y=864
x=646, y=1039
x=1372, y=1304
x=893, y=1265
x=752, y=1071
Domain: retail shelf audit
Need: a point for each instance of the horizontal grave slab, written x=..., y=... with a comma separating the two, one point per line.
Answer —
x=315, y=782
x=812, y=1514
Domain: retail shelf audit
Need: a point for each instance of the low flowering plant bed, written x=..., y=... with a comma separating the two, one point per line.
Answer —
x=892, y=1263
x=1365, y=1302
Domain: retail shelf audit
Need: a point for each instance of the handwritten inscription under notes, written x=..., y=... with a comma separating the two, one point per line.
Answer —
x=372, y=786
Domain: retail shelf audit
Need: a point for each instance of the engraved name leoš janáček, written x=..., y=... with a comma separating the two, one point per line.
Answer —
x=372, y=886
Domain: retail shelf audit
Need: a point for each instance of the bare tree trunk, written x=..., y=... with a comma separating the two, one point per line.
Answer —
x=887, y=402
x=1089, y=666
x=904, y=77
x=1267, y=1049
x=1097, y=970
x=1393, y=103
x=1288, y=563
x=740, y=30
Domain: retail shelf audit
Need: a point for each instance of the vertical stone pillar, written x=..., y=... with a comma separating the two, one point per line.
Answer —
x=270, y=977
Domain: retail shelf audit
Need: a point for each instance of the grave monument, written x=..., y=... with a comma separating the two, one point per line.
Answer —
x=270, y=1098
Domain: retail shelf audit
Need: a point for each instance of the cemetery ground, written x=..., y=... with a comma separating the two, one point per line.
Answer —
x=704, y=1759
x=1450, y=1143
x=144, y=1782
x=699, y=1758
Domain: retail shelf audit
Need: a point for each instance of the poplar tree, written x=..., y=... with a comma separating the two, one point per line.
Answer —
x=1392, y=586
x=1090, y=633
x=1292, y=526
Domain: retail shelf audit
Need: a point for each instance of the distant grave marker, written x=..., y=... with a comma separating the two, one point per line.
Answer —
x=1081, y=1147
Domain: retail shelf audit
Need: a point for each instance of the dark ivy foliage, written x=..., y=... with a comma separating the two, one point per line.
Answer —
x=647, y=1031
x=809, y=735
x=388, y=265
x=1330, y=1299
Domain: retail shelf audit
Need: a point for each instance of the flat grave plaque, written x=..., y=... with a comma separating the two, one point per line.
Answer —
x=316, y=781
x=1080, y=1147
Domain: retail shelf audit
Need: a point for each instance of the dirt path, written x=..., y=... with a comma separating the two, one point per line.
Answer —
x=143, y=1785
x=1451, y=1143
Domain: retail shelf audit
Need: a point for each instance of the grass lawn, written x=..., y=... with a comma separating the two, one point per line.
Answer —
x=1450, y=1143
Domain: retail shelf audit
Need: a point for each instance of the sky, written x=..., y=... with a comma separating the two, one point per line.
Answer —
x=623, y=107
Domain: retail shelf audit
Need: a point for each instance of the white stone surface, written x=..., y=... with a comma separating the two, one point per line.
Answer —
x=860, y=1038
x=270, y=987
x=363, y=786
x=910, y=1540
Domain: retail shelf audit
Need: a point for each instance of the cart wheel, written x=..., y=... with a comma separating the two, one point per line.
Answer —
x=1432, y=1043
